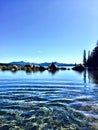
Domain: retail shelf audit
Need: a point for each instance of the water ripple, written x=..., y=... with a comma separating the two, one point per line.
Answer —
x=50, y=104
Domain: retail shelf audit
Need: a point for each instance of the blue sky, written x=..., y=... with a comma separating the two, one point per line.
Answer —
x=47, y=30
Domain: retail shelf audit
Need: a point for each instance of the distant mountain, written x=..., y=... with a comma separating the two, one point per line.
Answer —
x=40, y=64
x=19, y=63
x=63, y=64
x=56, y=63
x=45, y=64
x=25, y=63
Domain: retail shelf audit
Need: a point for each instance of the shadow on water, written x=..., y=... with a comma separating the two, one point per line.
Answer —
x=53, y=72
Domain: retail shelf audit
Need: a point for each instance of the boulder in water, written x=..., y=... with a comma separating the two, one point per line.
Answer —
x=79, y=67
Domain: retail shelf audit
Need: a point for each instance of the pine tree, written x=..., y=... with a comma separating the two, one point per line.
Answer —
x=84, y=57
x=92, y=60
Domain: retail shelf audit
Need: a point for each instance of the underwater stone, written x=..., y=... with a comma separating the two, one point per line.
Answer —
x=40, y=113
x=5, y=127
x=26, y=114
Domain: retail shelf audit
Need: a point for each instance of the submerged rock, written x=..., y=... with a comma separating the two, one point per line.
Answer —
x=27, y=114
x=4, y=127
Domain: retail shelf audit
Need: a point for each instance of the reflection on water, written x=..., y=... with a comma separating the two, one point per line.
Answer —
x=66, y=100
x=93, y=76
x=35, y=71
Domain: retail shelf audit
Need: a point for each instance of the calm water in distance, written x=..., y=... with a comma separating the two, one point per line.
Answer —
x=65, y=100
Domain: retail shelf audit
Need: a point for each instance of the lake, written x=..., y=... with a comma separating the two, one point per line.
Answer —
x=65, y=100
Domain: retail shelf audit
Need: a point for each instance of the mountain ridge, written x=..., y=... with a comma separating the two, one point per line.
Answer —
x=22, y=63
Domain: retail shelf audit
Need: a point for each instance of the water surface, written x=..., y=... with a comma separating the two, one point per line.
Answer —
x=66, y=100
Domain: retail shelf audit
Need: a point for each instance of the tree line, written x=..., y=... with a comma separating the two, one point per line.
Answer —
x=92, y=59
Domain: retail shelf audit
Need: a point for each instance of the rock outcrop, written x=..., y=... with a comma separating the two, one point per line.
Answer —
x=79, y=67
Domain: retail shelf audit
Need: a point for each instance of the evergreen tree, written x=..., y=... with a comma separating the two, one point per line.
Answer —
x=84, y=57
x=88, y=54
x=92, y=60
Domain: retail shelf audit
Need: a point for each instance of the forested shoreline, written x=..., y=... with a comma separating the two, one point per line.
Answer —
x=92, y=60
